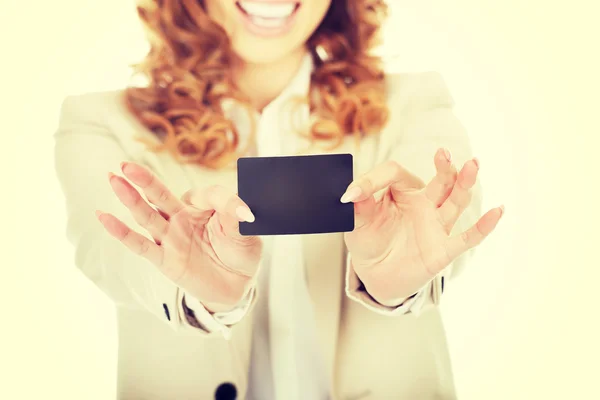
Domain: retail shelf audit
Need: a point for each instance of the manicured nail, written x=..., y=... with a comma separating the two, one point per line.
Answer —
x=448, y=155
x=99, y=214
x=501, y=208
x=351, y=195
x=476, y=161
x=125, y=165
x=244, y=214
x=110, y=175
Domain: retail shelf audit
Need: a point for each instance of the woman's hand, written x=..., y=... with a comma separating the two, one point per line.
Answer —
x=196, y=244
x=402, y=241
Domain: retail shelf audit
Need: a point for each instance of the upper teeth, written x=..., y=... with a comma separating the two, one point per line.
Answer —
x=268, y=10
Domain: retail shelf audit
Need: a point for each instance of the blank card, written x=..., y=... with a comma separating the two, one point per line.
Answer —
x=296, y=194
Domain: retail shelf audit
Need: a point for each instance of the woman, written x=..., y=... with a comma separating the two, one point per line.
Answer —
x=204, y=312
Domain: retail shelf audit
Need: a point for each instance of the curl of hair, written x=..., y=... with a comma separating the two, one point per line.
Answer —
x=187, y=78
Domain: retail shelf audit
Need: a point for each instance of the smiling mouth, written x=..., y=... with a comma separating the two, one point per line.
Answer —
x=269, y=15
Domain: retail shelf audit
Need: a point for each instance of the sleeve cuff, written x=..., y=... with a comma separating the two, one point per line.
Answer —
x=197, y=316
x=428, y=295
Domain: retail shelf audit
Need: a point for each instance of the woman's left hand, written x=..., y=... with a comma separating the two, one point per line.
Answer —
x=402, y=241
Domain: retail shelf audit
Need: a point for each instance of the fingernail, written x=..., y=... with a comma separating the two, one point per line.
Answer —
x=98, y=214
x=501, y=208
x=125, y=166
x=448, y=155
x=351, y=195
x=110, y=175
x=476, y=161
x=244, y=214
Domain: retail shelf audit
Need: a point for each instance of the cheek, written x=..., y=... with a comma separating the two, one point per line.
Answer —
x=322, y=7
x=312, y=18
x=221, y=12
x=314, y=14
x=308, y=21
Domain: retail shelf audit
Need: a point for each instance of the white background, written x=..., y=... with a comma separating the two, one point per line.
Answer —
x=523, y=321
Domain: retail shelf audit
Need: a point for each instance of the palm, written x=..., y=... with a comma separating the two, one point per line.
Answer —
x=202, y=257
x=421, y=226
x=406, y=236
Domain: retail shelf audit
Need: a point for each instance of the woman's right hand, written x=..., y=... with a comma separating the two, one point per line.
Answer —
x=196, y=244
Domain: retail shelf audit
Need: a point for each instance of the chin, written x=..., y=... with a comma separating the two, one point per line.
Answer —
x=266, y=54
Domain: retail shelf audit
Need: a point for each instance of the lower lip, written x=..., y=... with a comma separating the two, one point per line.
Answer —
x=263, y=31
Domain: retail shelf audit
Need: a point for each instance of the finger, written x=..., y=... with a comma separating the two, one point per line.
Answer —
x=135, y=242
x=473, y=236
x=441, y=185
x=163, y=214
x=220, y=199
x=363, y=212
x=156, y=192
x=149, y=218
x=228, y=205
x=389, y=174
x=460, y=197
x=231, y=227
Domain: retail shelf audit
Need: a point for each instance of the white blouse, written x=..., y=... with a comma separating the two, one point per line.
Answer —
x=285, y=359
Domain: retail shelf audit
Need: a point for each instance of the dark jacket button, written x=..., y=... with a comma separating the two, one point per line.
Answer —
x=226, y=391
x=167, y=311
x=442, y=284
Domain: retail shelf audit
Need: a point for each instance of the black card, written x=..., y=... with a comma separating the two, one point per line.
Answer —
x=297, y=194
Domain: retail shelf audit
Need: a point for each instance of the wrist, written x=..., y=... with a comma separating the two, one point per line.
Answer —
x=380, y=283
x=223, y=306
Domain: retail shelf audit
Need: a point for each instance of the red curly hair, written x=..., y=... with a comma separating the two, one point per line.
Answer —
x=187, y=74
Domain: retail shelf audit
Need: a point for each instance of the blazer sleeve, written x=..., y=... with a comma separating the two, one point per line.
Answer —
x=85, y=151
x=422, y=120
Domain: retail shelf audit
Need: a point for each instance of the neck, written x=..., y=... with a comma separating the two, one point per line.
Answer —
x=262, y=83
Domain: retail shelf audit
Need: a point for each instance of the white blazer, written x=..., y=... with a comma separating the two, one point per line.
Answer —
x=371, y=351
